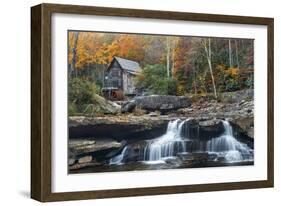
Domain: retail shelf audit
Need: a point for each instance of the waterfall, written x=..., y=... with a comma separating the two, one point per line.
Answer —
x=168, y=145
x=177, y=142
x=227, y=146
x=118, y=160
x=173, y=143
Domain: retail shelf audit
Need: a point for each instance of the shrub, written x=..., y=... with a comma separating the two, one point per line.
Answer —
x=153, y=80
x=80, y=93
x=180, y=90
x=249, y=83
x=72, y=109
x=172, y=86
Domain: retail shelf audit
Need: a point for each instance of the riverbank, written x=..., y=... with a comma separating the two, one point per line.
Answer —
x=119, y=126
x=94, y=141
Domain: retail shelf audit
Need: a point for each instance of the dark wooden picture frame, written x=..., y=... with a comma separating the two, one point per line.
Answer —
x=41, y=95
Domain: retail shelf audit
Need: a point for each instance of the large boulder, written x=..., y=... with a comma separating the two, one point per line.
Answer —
x=128, y=107
x=163, y=103
x=101, y=106
x=245, y=124
x=244, y=129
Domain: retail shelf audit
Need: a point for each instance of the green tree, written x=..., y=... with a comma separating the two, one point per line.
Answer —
x=153, y=80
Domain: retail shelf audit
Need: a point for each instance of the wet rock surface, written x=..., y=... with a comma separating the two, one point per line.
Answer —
x=82, y=146
x=85, y=152
x=162, y=103
x=95, y=140
x=121, y=127
x=240, y=114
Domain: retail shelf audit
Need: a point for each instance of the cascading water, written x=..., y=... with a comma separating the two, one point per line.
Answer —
x=173, y=143
x=177, y=142
x=168, y=145
x=118, y=160
x=227, y=146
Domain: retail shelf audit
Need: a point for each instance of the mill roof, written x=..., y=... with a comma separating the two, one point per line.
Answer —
x=127, y=64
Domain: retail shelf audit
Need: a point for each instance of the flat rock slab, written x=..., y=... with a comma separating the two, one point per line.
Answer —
x=81, y=146
x=121, y=127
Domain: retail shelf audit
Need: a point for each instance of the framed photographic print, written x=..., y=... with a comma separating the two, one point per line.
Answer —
x=132, y=102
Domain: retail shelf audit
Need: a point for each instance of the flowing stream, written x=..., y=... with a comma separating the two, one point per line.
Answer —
x=176, y=142
x=171, y=143
x=185, y=144
x=182, y=146
x=118, y=160
x=228, y=147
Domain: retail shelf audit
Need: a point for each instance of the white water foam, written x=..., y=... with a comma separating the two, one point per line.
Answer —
x=173, y=142
x=118, y=160
x=165, y=145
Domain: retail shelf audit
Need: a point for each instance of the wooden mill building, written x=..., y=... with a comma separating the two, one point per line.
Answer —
x=119, y=78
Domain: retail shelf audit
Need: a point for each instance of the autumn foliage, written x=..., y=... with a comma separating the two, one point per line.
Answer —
x=183, y=64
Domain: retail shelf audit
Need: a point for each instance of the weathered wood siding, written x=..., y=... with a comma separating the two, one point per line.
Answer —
x=120, y=78
x=114, y=76
x=128, y=84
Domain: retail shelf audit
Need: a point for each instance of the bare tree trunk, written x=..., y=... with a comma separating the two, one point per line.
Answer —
x=194, y=80
x=74, y=55
x=173, y=54
x=237, y=58
x=168, y=57
x=103, y=76
x=230, y=53
x=208, y=52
